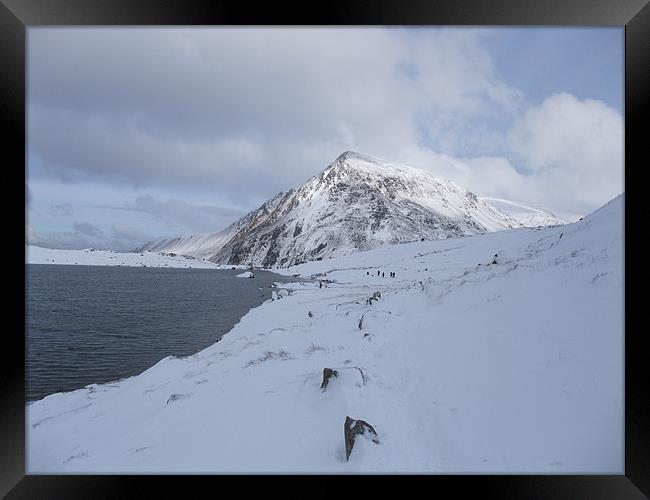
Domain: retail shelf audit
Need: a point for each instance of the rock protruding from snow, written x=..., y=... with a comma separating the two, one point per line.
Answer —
x=352, y=428
x=328, y=373
x=375, y=296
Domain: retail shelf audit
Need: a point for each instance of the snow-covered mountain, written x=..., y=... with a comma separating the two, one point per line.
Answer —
x=357, y=203
x=528, y=216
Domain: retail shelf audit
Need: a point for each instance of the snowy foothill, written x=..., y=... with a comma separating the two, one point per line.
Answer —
x=94, y=257
x=496, y=353
x=527, y=216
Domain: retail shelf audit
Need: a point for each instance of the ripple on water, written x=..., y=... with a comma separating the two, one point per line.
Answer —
x=95, y=324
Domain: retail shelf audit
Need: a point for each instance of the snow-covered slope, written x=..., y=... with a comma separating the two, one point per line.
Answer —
x=527, y=216
x=460, y=365
x=356, y=203
x=206, y=245
x=196, y=245
x=94, y=257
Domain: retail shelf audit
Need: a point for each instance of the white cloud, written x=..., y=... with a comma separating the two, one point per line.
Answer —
x=574, y=148
x=565, y=155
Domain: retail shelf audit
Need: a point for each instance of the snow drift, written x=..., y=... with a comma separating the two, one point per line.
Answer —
x=95, y=257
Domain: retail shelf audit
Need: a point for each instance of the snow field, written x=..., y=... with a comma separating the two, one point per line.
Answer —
x=93, y=257
x=502, y=368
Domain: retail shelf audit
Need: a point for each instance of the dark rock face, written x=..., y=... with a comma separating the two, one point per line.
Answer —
x=375, y=296
x=352, y=428
x=328, y=373
x=176, y=397
x=354, y=200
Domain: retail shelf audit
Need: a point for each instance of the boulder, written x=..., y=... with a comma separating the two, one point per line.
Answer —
x=328, y=373
x=352, y=428
x=375, y=296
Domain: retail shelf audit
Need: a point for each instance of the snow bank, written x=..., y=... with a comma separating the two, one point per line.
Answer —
x=94, y=257
x=460, y=365
x=247, y=274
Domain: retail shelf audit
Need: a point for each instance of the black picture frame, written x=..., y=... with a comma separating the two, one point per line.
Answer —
x=16, y=16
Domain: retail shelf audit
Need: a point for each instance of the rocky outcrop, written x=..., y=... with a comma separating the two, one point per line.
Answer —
x=352, y=428
x=327, y=374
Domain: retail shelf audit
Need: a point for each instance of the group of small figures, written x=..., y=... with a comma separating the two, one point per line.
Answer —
x=380, y=273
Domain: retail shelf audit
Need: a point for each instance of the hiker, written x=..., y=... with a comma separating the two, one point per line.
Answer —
x=382, y=275
x=377, y=272
x=367, y=273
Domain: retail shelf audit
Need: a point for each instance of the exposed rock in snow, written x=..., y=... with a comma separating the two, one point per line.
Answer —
x=327, y=374
x=352, y=428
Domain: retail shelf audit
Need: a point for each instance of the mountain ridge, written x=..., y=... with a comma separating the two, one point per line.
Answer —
x=358, y=202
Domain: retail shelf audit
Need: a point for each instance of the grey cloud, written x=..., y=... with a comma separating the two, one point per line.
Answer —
x=243, y=112
x=122, y=238
x=63, y=209
x=180, y=215
x=87, y=229
x=131, y=236
x=67, y=240
x=179, y=208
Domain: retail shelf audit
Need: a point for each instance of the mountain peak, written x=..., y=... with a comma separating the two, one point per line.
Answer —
x=349, y=157
x=358, y=202
x=365, y=164
x=348, y=154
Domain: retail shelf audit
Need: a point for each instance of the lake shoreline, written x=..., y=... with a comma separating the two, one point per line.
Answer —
x=70, y=331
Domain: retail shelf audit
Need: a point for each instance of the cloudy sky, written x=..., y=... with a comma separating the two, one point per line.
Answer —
x=140, y=133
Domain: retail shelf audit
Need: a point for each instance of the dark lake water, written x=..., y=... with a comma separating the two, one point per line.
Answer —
x=95, y=324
